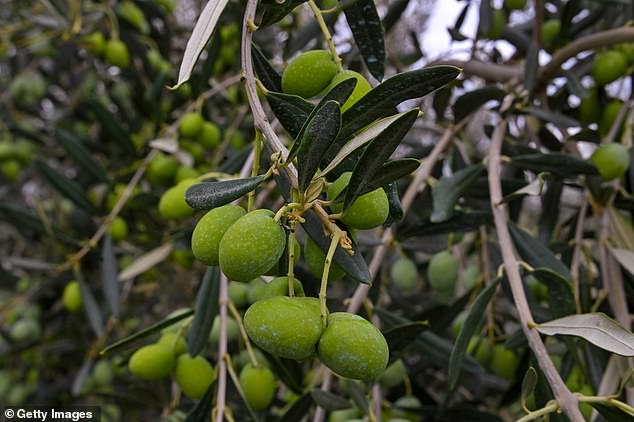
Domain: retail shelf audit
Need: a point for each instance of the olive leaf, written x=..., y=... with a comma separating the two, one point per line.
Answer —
x=291, y=110
x=209, y=195
x=266, y=74
x=67, y=187
x=82, y=156
x=556, y=163
x=365, y=24
x=449, y=189
x=205, y=311
x=472, y=100
x=111, y=125
x=535, y=253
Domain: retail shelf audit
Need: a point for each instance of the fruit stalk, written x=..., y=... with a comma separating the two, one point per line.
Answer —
x=324, y=277
x=319, y=17
x=236, y=316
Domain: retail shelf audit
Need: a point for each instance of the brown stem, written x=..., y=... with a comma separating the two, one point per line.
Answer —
x=221, y=397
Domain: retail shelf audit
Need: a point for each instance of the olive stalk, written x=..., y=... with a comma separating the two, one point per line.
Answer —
x=236, y=316
x=319, y=17
x=324, y=277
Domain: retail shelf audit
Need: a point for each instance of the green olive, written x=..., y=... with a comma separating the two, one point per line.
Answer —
x=175, y=342
x=515, y=4
x=233, y=331
x=309, y=73
x=172, y=205
x=589, y=110
x=550, y=31
x=210, y=229
x=194, y=375
x=393, y=374
x=161, y=169
x=102, y=373
x=116, y=53
x=442, y=272
x=26, y=329
x=184, y=172
x=191, y=124
x=612, y=160
x=366, y=212
x=118, y=229
x=277, y=287
x=480, y=349
x=239, y=293
x=472, y=276
x=362, y=87
x=71, y=297
x=152, y=362
x=258, y=385
x=11, y=169
x=608, y=66
x=94, y=43
x=503, y=362
x=497, y=25
x=209, y=135
x=404, y=274
x=134, y=15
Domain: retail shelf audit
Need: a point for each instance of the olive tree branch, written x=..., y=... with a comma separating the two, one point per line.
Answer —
x=566, y=400
x=221, y=397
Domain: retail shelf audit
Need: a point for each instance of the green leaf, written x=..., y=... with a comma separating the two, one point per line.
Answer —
x=461, y=222
x=146, y=332
x=266, y=73
x=449, y=189
x=201, y=34
x=402, y=335
x=209, y=195
x=535, y=252
x=287, y=370
x=625, y=258
x=597, y=328
x=90, y=306
x=563, y=165
x=23, y=220
x=376, y=154
x=274, y=11
x=205, y=311
x=365, y=24
x=109, y=279
x=473, y=100
x=560, y=297
x=319, y=134
x=67, y=187
x=392, y=171
x=298, y=409
x=329, y=401
x=111, y=125
x=558, y=119
x=357, y=394
x=528, y=385
x=534, y=188
x=291, y=110
x=201, y=411
x=82, y=156
x=468, y=328
x=621, y=228
x=531, y=66
x=611, y=413
x=393, y=200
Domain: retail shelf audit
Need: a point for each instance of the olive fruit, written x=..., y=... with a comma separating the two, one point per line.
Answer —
x=191, y=124
x=442, y=272
x=608, y=117
x=366, y=212
x=152, y=362
x=404, y=274
x=193, y=374
x=471, y=276
x=309, y=73
x=175, y=342
x=361, y=88
x=497, y=25
x=209, y=135
x=343, y=415
x=503, y=362
x=94, y=43
x=102, y=373
x=608, y=66
x=172, y=205
x=242, y=358
x=515, y=4
x=393, y=374
x=118, y=229
x=134, y=15
x=287, y=327
x=550, y=31
x=315, y=259
x=238, y=293
x=184, y=172
x=251, y=246
x=589, y=110
x=233, y=331
x=612, y=160
x=480, y=349
x=258, y=385
x=161, y=169
x=71, y=298
x=259, y=289
x=627, y=49
x=11, y=169
x=352, y=347
x=458, y=322
x=116, y=53
x=25, y=329
x=210, y=229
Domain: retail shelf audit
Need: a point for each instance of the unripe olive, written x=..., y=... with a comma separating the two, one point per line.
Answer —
x=315, y=259
x=361, y=88
x=498, y=23
x=25, y=329
x=550, y=31
x=95, y=43
x=608, y=117
x=352, y=347
x=237, y=141
x=404, y=274
x=172, y=205
x=343, y=415
x=627, y=49
x=210, y=229
x=515, y=4
x=277, y=287
x=612, y=160
x=457, y=323
x=589, y=110
x=309, y=73
x=251, y=245
x=209, y=135
x=233, y=331
x=184, y=172
x=366, y=212
x=152, y=362
x=258, y=385
x=71, y=297
x=118, y=229
x=288, y=327
x=586, y=408
x=116, y=53
x=161, y=169
x=191, y=124
x=393, y=374
x=242, y=358
x=480, y=349
x=238, y=293
x=608, y=66
x=175, y=342
x=134, y=15
x=11, y=169
x=503, y=362
x=194, y=375
x=471, y=276
x=103, y=373
x=442, y=272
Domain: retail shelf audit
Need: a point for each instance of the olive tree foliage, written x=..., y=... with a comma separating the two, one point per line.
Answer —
x=501, y=278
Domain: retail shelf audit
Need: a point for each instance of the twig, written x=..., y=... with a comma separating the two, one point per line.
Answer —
x=576, y=255
x=566, y=400
x=223, y=298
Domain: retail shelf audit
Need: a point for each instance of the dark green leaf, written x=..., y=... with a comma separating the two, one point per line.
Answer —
x=449, y=189
x=23, y=219
x=273, y=11
x=209, y=195
x=109, y=280
x=392, y=171
x=266, y=74
x=461, y=222
x=90, y=306
x=292, y=111
x=376, y=154
x=354, y=266
x=394, y=201
x=147, y=331
x=365, y=24
x=469, y=326
x=67, y=187
x=205, y=311
x=289, y=371
x=472, y=100
x=201, y=411
x=535, y=253
x=528, y=384
x=551, y=116
x=298, y=410
x=486, y=16
x=321, y=131
x=328, y=400
x=560, y=297
x=82, y=156
x=357, y=395
x=611, y=414
x=531, y=66
x=111, y=126
x=402, y=335
x=556, y=163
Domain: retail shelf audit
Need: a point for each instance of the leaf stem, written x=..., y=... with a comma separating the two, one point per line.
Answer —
x=549, y=408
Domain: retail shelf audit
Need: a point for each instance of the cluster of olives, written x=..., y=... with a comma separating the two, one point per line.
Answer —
x=612, y=64
x=14, y=156
x=114, y=51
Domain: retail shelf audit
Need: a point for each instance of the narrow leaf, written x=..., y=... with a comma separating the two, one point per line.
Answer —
x=466, y=332
x=473, y=100
x=461, y=222
x=318, y=136
x=449, y=189
x=328, y=400
x=357, y=395
x=612, y=413
x=200, y=36
x=90, y=306
x=274, y=11
x=292, y=111
x=535, y=252
x=392, y=171
x=394, y=201
x=560, y=297
x=201, y=411
x=365, y=24
x=266, y=73
x=402, y=335
x=146, y=332
x=205, y=311
x=67, y=187
x=376, y=154
x=597, y=328
x=209, y=195
x=552, y=117
x=298, y=409
x=82, y=156
x=145, y=262
x=80, y=377
x=111, y=125
x=528, y=385
x=534, y=188
x=23, y=220
x=531, y=67
x=556, y=163
x=109, y=280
